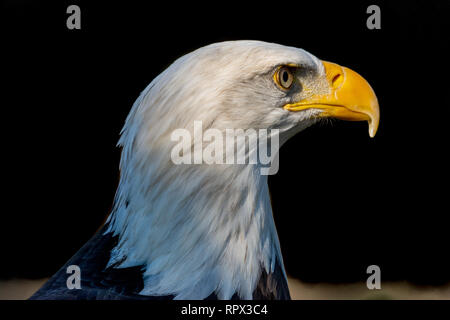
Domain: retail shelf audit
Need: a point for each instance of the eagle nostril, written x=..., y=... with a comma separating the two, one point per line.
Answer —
x=337, y=80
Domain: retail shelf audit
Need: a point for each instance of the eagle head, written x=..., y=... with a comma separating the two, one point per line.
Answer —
x=200, y=228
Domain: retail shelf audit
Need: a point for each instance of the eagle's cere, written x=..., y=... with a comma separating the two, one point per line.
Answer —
x=206, y=231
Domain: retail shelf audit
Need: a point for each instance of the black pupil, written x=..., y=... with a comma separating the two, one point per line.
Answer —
x=285, y=76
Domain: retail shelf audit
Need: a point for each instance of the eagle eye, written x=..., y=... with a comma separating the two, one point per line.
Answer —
x=284, y=77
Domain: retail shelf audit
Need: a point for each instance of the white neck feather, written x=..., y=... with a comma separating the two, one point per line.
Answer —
x=216, y=237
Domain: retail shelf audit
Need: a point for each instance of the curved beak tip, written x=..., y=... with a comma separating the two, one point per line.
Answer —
x=374, y=120
x=372, y=130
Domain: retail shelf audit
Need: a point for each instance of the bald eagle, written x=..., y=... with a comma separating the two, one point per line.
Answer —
x=206, y=231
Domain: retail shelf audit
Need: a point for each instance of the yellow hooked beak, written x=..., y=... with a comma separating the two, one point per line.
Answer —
x=350, y=98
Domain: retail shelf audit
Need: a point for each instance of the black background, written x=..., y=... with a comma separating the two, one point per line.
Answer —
x=341, y=200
